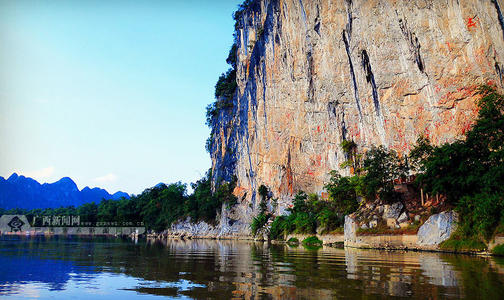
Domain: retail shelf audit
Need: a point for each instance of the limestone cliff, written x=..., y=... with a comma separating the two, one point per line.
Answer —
x=311, y=73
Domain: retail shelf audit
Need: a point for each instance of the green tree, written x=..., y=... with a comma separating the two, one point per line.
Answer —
x=382, y=166
x=88, y=212
x=470, y=172
x=343, y=191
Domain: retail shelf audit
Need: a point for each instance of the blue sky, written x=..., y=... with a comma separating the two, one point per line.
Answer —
x=109, y=93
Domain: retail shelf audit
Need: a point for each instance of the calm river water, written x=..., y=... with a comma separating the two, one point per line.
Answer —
x=106, y=268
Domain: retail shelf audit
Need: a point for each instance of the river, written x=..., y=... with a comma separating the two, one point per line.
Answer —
x=105, y=268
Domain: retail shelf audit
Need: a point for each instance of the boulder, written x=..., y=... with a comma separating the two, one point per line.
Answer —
x=373, y=224
x=437, y=228
x=391, y=223
x=393, y=211
x=402, y=218
x=350, y=229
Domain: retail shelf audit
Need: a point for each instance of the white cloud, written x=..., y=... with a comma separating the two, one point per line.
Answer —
x=41, y=174
x=110, y=177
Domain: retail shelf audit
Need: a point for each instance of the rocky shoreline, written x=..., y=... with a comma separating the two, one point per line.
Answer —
x=436, y=229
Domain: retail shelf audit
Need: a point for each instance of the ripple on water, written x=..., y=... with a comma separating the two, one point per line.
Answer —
x=105, y=268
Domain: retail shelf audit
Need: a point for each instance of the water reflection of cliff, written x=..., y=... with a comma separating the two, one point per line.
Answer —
x=243, y=270
x=278, y=271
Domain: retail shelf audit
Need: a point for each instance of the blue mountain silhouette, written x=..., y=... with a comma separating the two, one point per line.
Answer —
x=24, y=192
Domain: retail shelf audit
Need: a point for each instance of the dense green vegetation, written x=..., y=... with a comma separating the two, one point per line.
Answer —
x=262, y=218
x=470, y=172
x=312, y=241
x=374, y=178
x=498, y=250
x=157, y=207
x=258, y=222
x=461, y=243
x=307, y=214
x=293, y=240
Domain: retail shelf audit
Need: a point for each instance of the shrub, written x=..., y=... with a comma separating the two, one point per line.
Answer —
x=458, y=244
x=312, y=241
x=293, y=240
x=304, y=223
x=225, y=87
x=260, y=31
x=258, y=222
x=307, y=214
x=278, y=228
x=498, y=250
x=329, y=220
x=263, y=191
x=352, y=159
x=420, y=152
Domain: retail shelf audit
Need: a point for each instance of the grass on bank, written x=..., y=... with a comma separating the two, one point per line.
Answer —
x=498, y=250
x=459, y=242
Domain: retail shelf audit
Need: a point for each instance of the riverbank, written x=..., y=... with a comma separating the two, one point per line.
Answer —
x=436, y=229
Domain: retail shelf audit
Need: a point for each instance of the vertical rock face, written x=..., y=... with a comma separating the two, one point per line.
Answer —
x=311, y=74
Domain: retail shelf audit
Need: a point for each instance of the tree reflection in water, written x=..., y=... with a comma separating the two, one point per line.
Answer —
x=238, y=269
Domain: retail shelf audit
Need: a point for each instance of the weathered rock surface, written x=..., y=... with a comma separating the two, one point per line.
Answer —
x=393, y=211
x=313, y=73
x=225, y=228
x=350, y=229
x=402, y=218
x=437, y=228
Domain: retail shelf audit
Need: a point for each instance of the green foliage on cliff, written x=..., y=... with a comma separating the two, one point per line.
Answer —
x=374, y=177
x=470, y=172
x=224, y=89
x=259, y=222
x=278, y=228
x=263, y=191
x=240, y=11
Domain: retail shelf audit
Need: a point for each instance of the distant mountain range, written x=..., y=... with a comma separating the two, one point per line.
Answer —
x=24, y=192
